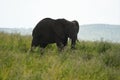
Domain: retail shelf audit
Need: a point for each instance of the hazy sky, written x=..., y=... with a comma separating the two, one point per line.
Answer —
x=27, y=13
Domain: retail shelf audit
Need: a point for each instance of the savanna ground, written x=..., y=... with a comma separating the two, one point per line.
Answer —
x=90, y=61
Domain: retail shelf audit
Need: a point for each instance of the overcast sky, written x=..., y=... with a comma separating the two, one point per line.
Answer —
x=27, y=13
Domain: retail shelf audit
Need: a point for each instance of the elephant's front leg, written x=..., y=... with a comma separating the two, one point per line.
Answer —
x=60, y=46
x=65, y=41
x=73, y=44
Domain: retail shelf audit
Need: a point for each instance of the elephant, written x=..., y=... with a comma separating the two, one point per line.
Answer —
x=57, y=31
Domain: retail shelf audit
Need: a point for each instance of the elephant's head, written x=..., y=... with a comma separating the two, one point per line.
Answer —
x=74, y=29
x=71, y=30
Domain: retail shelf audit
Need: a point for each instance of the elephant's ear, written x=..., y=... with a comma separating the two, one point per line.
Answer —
x=75, y=22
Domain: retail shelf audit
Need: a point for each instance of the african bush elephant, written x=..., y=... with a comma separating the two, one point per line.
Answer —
x=55, y=31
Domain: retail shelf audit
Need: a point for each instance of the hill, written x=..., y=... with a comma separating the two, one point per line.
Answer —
x=90, y=61
x=22, y=31
x=96, y=32
x=28, y=31
x=100, y=25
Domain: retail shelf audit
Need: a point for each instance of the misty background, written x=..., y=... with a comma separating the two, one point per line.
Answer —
x=27, y=13
x=97, y=18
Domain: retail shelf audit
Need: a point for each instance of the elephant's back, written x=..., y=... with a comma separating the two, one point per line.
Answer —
x=44, y=27
x=45, y=23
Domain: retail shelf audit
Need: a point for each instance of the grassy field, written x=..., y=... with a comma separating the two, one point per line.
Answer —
x=90, y=61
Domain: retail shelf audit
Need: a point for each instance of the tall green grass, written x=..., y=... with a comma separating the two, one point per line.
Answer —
x=90, y=61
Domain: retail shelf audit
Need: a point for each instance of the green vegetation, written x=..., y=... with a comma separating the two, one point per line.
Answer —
x=90, y=61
